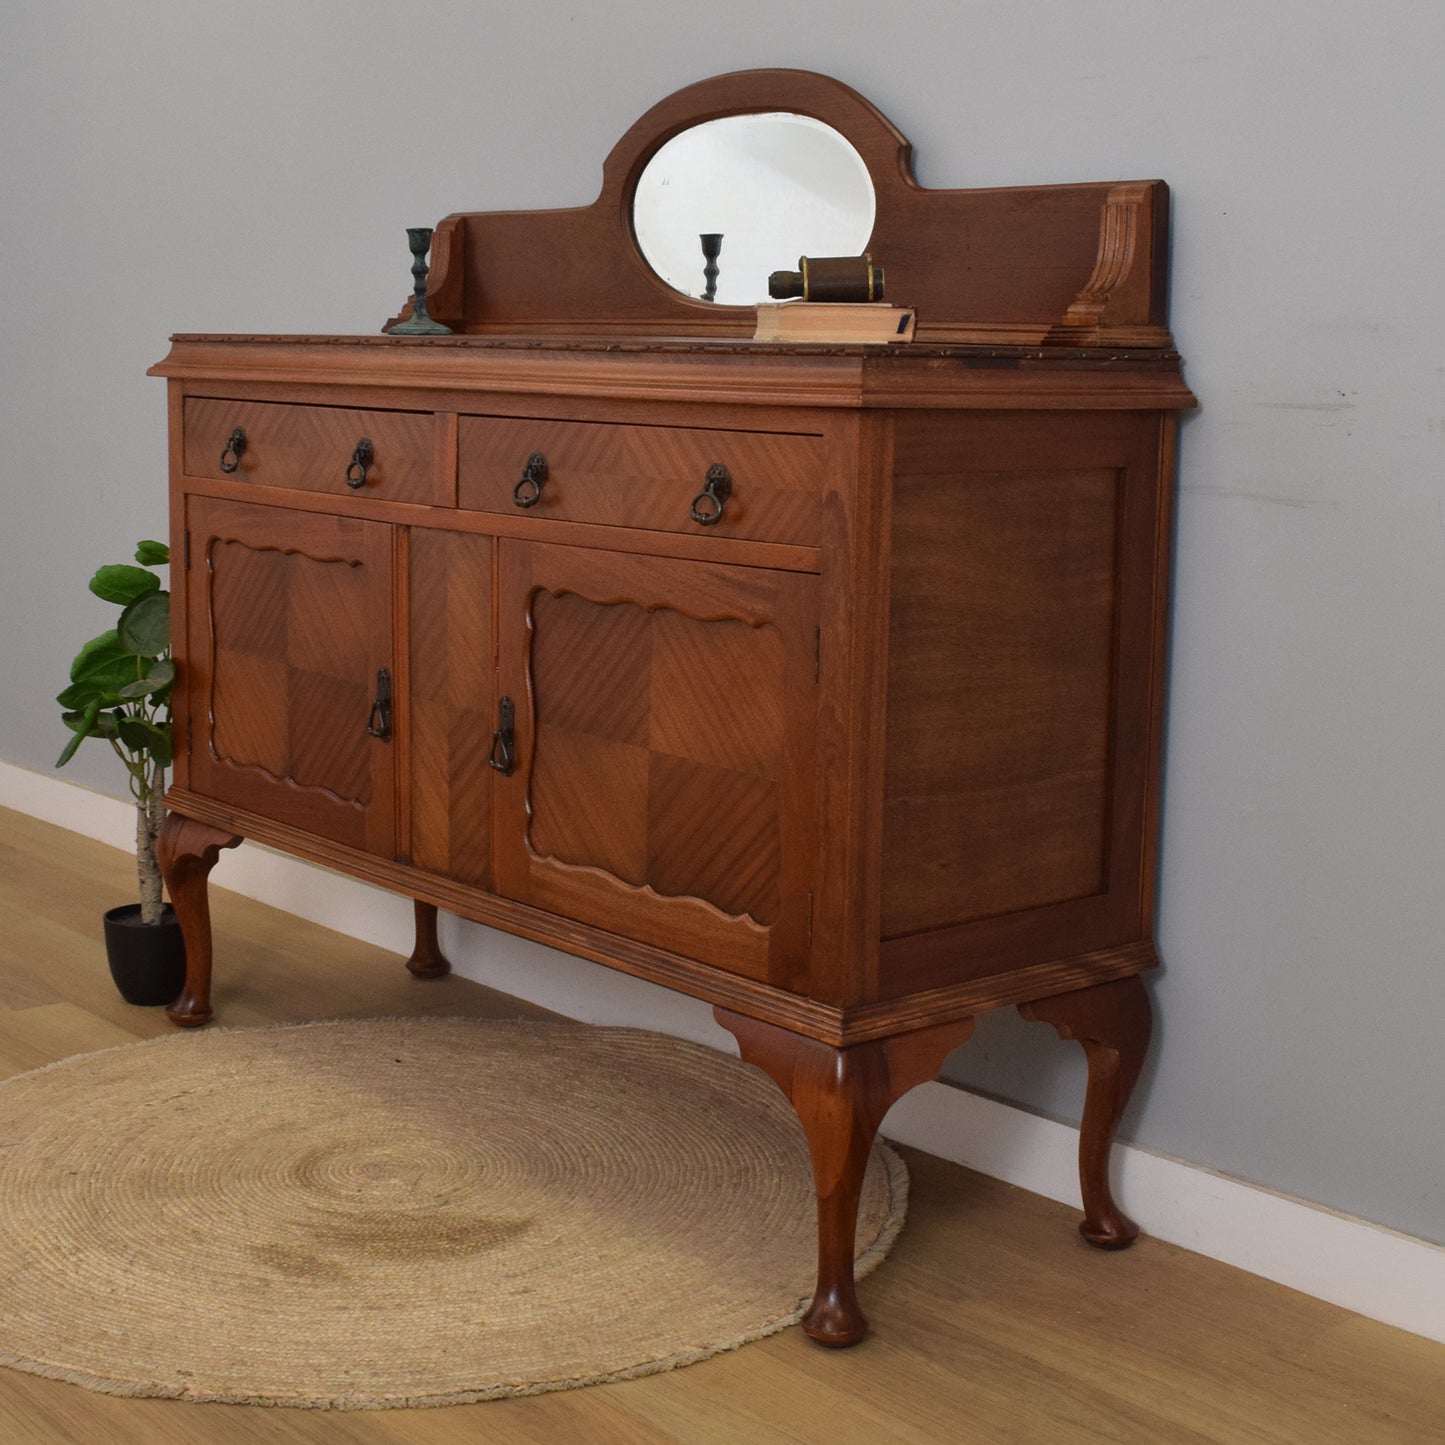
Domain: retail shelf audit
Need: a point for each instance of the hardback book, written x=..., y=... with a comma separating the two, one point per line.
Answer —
x=876, y=321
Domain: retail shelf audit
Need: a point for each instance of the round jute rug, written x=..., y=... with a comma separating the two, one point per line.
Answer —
x=399, y=1212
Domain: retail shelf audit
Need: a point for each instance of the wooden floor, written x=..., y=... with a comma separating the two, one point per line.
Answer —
x=992, y=1320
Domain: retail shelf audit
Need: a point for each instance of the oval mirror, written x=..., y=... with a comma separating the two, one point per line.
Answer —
x=773, y=186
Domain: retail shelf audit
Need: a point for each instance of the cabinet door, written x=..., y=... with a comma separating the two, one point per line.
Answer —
x=289, y=623
x=663, y=778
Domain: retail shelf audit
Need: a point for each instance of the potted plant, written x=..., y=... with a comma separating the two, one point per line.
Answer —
x=120, y=690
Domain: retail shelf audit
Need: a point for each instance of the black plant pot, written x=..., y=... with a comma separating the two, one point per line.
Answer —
x=147, y=960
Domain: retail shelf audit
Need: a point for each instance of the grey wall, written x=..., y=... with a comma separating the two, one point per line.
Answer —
x=173, y=165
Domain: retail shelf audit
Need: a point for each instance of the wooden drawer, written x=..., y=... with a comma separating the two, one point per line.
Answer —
x=312, y=447
x=645, y=476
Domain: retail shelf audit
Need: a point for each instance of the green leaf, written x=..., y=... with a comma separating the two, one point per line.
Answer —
x=80, y=694
x=161, y=676
x=122, y=583
x=144, y=628
x=104, y=663
x=80, y=723
x=103, y=725
x=152, y=554
x=144, y=737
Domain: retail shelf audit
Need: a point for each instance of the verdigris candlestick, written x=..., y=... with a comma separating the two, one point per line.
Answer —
x=418, y=238
x=711, y=250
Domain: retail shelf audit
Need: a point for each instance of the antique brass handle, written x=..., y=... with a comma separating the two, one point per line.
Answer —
x=528, y=492
x=379, y=723
x=235, y=445
x=503, y=756
x=361, y=463
x=707, y=506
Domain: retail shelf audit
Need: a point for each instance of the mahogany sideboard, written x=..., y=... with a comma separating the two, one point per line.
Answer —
x=873, y=750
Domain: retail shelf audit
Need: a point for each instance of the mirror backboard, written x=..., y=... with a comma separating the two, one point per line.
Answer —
x=1072, y=265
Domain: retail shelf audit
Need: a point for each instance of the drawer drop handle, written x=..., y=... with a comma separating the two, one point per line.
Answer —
x=707, y=506
x=503, y=756
x=528, y=492
x=379, y=723
x=235, y=445
x=361, y=463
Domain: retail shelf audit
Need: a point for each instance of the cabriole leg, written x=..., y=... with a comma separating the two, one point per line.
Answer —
x=427, y=959
x=187, y=851
x=841, y=1096
x=1113, y=1022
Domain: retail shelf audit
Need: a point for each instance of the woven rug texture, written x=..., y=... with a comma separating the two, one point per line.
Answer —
x=383, y=1213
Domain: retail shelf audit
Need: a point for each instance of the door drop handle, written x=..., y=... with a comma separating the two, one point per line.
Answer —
x=503, y=756
x=379, y=723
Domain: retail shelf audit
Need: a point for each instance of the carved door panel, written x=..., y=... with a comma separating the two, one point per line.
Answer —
x=662, y=783
x=289, y=625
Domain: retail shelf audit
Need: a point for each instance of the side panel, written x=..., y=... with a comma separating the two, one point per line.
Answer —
x=1020, y=691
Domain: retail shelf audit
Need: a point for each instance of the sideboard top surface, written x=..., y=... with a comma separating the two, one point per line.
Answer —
x=728, y=370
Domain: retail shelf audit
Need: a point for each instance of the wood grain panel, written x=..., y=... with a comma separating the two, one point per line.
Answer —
x=713, y=832
x=646, y=476
x=249, y=736
x=289, y=619
x=658, y=749
x=589, y=800
x=1003, y=625
x=452, y=701
x=310, y=447
x=1063, y=796
x=326, y=724
x=706, y=705
x=611, y=696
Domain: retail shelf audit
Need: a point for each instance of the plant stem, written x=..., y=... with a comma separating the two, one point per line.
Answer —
x=147, y=826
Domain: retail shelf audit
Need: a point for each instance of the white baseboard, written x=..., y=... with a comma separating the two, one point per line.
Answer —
x=1350, y=1262
x=1365, y=1267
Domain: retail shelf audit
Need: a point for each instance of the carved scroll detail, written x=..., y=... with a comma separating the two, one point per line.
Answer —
x=1115, y=303
x=1118, y=241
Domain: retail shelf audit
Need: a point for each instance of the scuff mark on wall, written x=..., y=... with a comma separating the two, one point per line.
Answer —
x=1271, y=498
x=1306, y=405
